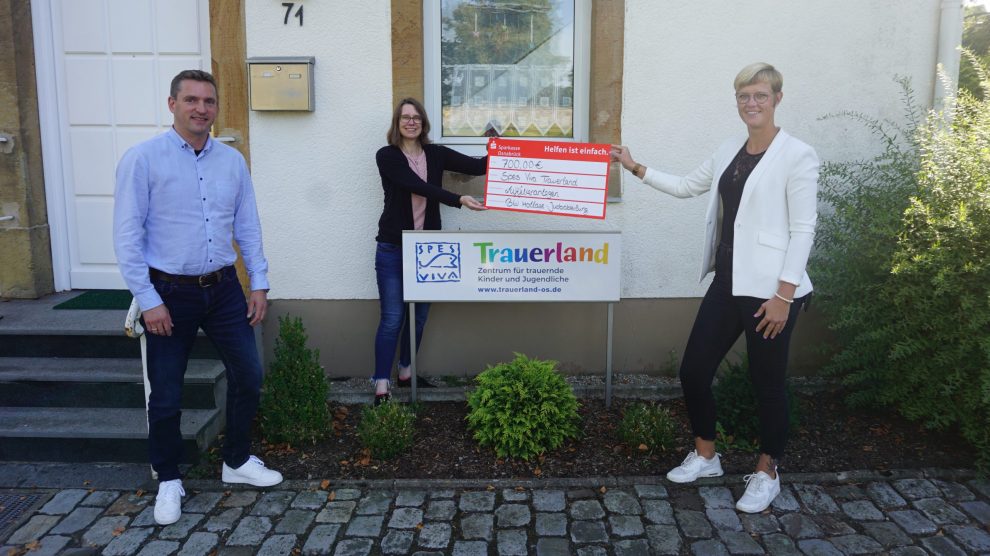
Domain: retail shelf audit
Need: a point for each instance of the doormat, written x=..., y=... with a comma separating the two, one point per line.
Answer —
x=99, y=299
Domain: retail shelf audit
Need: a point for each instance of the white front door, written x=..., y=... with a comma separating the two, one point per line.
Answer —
x=104, y=69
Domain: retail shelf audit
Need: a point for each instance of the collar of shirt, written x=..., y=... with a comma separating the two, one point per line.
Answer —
x=182, y=144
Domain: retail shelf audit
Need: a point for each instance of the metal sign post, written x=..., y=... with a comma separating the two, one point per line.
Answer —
x=412, y=349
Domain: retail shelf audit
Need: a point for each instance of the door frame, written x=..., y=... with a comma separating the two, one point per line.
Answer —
x=51, y=139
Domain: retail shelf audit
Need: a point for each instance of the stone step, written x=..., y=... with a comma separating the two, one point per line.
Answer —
x=85, y=434
x=100, y=382
x=84, y=344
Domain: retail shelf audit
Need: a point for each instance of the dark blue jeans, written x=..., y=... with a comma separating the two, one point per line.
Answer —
x=220, y=310
x=721, y=318
x=394, y=323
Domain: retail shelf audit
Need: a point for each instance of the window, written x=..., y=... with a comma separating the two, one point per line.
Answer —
x=512, y=68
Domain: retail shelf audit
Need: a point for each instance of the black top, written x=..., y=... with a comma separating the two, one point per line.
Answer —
x=730, y=189
x=399, y=182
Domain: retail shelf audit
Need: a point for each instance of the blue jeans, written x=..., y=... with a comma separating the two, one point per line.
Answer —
x=394, y=323
x=220, y=310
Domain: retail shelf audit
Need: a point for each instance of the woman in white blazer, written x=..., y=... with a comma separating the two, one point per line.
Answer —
x=760, y=227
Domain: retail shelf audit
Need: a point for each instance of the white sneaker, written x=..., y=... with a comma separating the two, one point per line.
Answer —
x=760, y=492
x=168, y=502
x=253, y=472
x=694, y=466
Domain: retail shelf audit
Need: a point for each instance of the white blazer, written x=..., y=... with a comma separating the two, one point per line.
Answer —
x=775, y=225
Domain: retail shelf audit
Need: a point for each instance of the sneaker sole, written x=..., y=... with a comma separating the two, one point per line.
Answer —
x=684, y=481
x=163, y=523
x=757, y=510
x=247, y=482
x=753, y=510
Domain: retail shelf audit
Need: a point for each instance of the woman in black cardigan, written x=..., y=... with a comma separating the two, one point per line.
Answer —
x=412, y=172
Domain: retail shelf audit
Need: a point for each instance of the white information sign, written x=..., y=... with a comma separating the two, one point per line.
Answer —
x=511, y=266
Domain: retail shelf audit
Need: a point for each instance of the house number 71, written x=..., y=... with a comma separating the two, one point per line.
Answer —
x=288, y=12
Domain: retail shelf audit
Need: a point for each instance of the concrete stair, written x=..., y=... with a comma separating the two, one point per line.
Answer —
x=71, y=387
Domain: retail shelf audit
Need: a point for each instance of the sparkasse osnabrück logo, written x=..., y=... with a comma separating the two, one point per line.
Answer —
x=438, y=261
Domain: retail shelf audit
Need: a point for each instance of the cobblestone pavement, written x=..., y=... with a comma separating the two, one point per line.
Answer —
x=907, y=513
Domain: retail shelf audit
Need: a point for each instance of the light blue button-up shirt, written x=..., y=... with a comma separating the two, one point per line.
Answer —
x=178, y=212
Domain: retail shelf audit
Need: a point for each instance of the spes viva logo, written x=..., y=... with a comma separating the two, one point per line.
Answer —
x=438, y=261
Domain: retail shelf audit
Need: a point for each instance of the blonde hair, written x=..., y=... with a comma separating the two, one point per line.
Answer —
x=760, y=72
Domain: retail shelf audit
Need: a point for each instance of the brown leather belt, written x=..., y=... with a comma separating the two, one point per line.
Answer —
x=203, y=280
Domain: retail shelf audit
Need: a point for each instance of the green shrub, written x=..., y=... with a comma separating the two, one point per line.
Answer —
x=386, y=430
x=294, y=396
x=855, y=243
x=725, y=442
x=649, y=425
x=522, y=408
x=919, y=339
x=738, y=424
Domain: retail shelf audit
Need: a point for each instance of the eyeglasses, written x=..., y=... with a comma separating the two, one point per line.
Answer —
x=406, y=118
x=760, y=98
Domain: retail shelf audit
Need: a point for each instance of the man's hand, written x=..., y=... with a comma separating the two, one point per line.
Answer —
x=257, y=306
x=158, y=321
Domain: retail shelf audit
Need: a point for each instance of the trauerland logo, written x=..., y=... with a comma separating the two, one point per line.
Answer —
x=438, y=261
x=559, y=253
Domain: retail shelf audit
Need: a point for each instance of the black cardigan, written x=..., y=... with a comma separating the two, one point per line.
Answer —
x=399, y=181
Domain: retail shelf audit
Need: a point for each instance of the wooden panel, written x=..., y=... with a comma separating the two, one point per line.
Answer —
x=407, y=50
x=228, y=49
x=605, y=103
x=606, y=70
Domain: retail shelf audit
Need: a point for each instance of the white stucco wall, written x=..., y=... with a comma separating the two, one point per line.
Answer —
x=318, y=188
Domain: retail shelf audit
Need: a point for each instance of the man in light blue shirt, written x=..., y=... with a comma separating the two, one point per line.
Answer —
x=181, y=199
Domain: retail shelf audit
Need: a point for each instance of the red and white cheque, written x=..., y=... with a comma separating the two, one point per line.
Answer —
x=547, y=177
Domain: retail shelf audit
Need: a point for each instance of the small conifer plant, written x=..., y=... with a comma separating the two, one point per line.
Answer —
x=294, y=396
x=387, y=430
x=522, y=408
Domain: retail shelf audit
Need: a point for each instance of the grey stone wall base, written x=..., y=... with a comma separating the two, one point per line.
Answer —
x=855, y=476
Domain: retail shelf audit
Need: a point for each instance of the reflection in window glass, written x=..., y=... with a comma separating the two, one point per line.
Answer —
x=507, y=68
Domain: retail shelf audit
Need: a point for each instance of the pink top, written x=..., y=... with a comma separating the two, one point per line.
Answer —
x=418, y=165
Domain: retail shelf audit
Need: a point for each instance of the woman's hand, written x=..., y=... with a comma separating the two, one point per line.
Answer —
x=469, y=202
x=621, y=154
x=774, y=312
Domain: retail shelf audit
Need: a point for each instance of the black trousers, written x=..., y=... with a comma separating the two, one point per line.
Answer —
x=721, y=318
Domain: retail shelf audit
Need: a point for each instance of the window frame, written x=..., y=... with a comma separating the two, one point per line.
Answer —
x=475, y=146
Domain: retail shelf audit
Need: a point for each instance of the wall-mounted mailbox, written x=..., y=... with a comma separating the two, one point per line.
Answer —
x=281, y=83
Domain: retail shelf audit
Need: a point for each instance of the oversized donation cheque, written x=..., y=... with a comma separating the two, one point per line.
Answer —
x=548, y=177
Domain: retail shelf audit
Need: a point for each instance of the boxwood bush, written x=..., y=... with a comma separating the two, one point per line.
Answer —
x=294, y=395
x=387, y=430
x=647, y=427
x=522, y=408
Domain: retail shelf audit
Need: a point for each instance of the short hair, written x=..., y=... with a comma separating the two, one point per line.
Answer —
x=194, y=75
x=760, y=72
x=394, y=135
